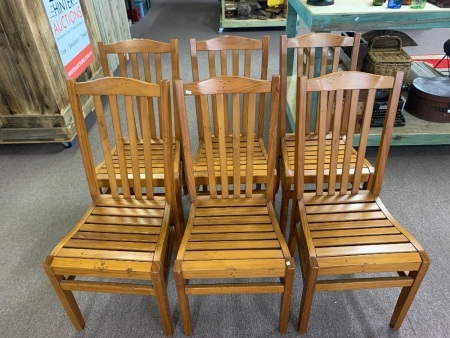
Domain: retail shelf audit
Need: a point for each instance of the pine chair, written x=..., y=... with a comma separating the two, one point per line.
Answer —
x=124, y=235
x=341, y=230
x=317, y=54
x=230, y=56
x=232, y=232
x=151, y=61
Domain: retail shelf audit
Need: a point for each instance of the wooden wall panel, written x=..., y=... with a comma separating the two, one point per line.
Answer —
x=32, y=79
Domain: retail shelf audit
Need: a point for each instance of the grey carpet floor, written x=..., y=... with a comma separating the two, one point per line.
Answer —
x=43, y=194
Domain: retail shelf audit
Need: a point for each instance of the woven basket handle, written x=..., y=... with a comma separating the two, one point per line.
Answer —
x=386, y=37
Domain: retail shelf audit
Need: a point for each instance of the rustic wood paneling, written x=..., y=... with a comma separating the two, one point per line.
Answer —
x=32, y=78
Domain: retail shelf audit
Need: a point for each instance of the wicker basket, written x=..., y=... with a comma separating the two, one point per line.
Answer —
x=386, y=61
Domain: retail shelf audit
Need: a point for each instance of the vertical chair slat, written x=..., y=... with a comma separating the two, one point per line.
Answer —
x=323, y=100
x=118, y=135
x=134, y=66
x=208, y=145
x=222, y=146
x=365, y=126
x=224, y=71
x=131, y=122
x=167, y=137
x=273, y=137
x=349, y=140
x=235, y=62
x=250, y=144
x=104, y=138
x=300, y=61
x=335, y=142
x=212, y=64
x=146, y=143
x=236, y=146
x=247, y=62
x=299, y=158
x=148, y=78
x=174, y=54
x=323, y=61
x=122, y=64
x=223, y=62
x=104, y=59
x=262, y=97
x=185, y=137
x=158, y=67
x=136, y=75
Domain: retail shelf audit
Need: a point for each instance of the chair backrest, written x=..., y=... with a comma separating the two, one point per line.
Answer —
x=316, y=54
x=335, y=174
x=242, y=124
x=232, y=56
x=146, y=60
x=115, y=105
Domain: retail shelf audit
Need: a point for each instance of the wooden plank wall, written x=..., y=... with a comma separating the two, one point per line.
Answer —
x=111, y=24
x=32, y=79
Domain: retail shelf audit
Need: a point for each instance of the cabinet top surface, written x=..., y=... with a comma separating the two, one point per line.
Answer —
x=364, y=7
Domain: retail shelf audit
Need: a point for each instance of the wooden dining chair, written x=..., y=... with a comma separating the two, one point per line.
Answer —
x=232, y=232
x=230, y=56
x=124, y=237
x=317, y=54
x=150, y=61
x=347, y=238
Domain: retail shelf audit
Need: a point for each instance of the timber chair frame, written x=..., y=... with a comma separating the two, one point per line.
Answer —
x=126, y=234
x=313, y=53
x=341, y=231
x=150, y=61
x=232, y=233
x=229, y=56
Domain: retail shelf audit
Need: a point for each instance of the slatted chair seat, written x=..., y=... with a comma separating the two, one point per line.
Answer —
x=288, y=163
x=157, y=164
x=233, y=246
x=317, y=54
x=125, y=237
x=347, y=239
x=114, y=240
x=232, y=233
x=259, y=161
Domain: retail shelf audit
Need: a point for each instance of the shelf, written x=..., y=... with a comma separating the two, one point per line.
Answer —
x=236, y=23
x=415, y=132
x=279, y=21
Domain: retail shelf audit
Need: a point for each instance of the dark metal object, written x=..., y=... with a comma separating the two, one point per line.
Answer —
x=446, y=56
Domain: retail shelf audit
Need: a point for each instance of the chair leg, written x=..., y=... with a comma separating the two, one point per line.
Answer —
x=66, y=297
x=286, y=296
x=162, y=299
x=183, y=299
x=307, y=298
x=180, y=212
x=285, y=196
x=183, y=179
x=292, y=241
x=407, y=296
